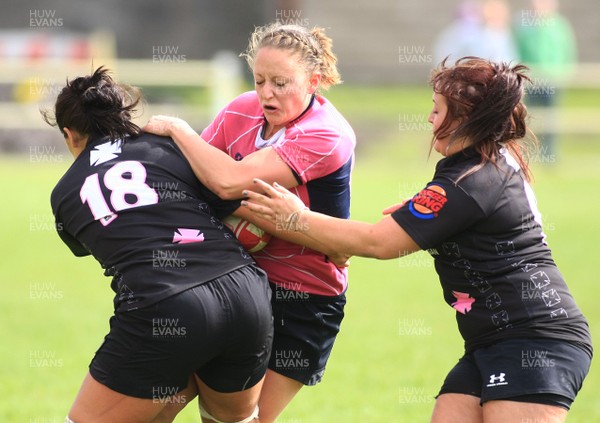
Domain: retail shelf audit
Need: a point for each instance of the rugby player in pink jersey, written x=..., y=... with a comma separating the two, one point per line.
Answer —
x=284, y=131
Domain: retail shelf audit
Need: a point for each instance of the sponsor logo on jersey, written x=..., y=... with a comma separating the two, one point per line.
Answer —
x=428, y=203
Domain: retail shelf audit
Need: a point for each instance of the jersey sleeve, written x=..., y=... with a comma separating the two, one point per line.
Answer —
x=214, y=133
x=437, y=212
x=314, y=154
x=75, y=246
x=221, y=207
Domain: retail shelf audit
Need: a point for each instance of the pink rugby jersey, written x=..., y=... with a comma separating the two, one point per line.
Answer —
x=319, y=148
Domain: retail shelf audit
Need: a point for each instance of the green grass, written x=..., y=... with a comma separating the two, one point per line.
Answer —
x=398, y=339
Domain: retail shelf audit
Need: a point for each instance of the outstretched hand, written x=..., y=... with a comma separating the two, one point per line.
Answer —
x=277, y=204
x=163, y=125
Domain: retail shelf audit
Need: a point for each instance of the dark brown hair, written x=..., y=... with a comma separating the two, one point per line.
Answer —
x=487, y=100
x=96, y=105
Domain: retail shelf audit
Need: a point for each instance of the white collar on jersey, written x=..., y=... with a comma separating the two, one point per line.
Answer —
x=260, y=142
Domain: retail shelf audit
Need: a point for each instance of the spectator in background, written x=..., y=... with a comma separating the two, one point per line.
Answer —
x=481, y=29
x=462, y=36
x=546, y=44
x=496, y=42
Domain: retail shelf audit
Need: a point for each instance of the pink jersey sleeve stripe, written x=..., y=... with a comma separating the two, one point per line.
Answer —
x=242, y=135
x=210, y=140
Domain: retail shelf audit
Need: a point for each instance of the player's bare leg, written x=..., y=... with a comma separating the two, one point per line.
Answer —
x=176, y=404
x=277, y=392
x=229, y=407
x=519, y=412
x=96, y=403
x=457, y=408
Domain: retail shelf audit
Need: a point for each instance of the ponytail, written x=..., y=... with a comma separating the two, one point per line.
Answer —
x=96, y=105
x=328, y=61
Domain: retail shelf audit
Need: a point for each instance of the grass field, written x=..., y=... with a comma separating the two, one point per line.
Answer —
x=398, y=339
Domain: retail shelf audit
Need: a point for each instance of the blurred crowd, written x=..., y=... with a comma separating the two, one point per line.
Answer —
x=538, y=36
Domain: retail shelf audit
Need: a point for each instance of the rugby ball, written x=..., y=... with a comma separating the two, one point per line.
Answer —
x=251, y=237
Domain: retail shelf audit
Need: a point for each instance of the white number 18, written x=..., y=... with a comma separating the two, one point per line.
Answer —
x=119, y=186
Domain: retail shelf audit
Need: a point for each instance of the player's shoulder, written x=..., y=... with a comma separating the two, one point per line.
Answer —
x=324, y=119
x=154, y=150
x=484, y=183
x=148, y=137
x=58, y=194
x=148, y=145
x=324, y=112
x=245, y=102
x=64, y=188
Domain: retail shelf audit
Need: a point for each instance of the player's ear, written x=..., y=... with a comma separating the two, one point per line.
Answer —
x=314, y=82
x=67, y=133
x=70, y=138
x=73, y=137
x=75, y=141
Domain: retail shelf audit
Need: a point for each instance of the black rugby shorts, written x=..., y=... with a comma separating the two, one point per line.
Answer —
x=221, y=330
x=535, y=370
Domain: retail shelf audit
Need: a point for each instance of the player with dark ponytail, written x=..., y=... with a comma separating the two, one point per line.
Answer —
x=192, y=310
x=96, y=105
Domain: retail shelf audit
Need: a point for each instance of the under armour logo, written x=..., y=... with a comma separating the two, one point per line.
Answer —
x=497, y=379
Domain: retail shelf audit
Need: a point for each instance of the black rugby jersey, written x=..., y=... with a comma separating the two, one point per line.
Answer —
x=495, y=268
x=138, y=208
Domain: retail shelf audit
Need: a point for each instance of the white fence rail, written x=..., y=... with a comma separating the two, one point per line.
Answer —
x=35, y=85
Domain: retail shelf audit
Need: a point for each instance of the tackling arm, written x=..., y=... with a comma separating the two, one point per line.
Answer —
x=222, y=174
x=300, y=238
x=383, y=240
